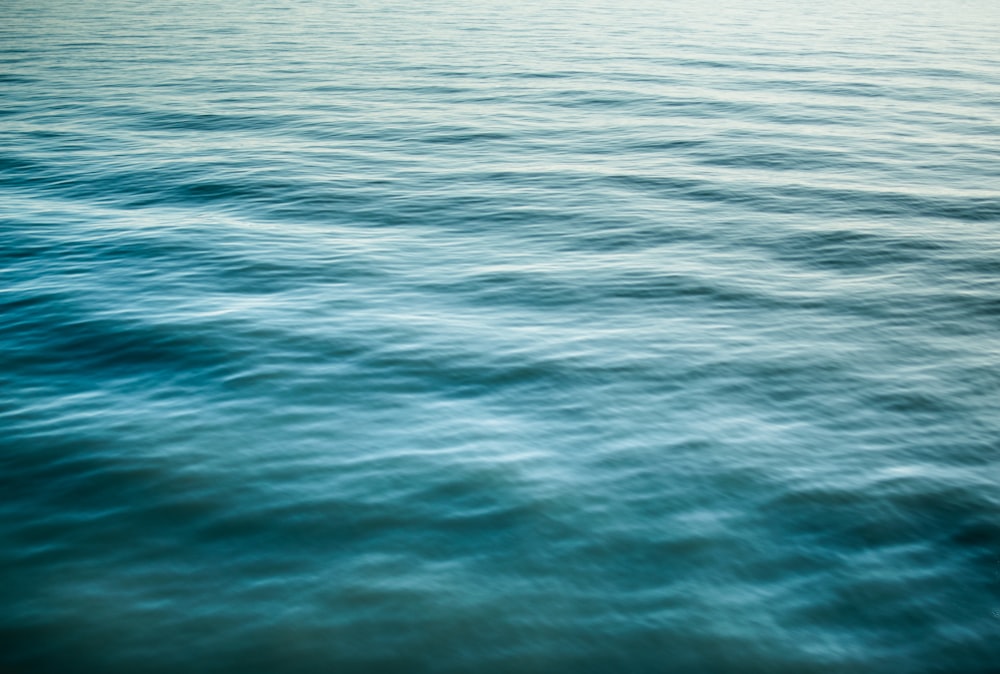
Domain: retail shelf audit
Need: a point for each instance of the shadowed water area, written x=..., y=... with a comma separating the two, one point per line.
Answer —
x=528, y=337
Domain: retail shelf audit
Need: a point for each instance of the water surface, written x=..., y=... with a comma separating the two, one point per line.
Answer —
x=541, y=336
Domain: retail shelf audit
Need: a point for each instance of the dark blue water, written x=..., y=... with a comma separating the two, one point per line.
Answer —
x=543, y=336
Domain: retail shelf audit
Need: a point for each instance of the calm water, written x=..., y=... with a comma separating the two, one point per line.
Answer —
x=598, y=336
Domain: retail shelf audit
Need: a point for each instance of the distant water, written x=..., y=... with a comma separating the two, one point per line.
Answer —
x=608, y=336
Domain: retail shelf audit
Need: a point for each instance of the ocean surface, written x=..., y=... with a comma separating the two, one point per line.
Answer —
x=499, y=337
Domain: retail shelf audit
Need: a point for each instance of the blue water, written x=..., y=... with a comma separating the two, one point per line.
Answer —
x=595, y=337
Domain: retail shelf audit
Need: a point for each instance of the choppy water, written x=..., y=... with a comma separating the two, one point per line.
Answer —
x=542, y=336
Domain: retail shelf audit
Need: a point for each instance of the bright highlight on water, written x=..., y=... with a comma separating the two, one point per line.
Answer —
x=528, y=337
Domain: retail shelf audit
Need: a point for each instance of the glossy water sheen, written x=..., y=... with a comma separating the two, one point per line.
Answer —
x=599, y=336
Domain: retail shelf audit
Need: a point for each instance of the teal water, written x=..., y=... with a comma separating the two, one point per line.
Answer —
x=610, y=337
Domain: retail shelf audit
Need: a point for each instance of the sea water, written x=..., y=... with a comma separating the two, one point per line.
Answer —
x=603, y=336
